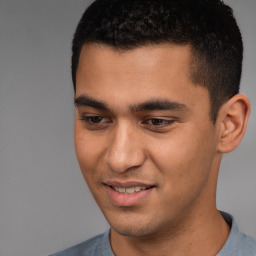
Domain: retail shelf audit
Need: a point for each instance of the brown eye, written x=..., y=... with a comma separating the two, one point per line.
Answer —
x=156, y=124
x=95, y=122
x=95, y=119
x=159, y=121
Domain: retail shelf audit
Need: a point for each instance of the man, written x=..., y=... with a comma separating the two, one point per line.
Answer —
x=157, y=104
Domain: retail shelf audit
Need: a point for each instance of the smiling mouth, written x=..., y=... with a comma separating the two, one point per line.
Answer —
x=130, y=190
x=128, y=194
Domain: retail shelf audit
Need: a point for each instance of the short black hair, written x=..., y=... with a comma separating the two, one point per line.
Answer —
x=208, y=26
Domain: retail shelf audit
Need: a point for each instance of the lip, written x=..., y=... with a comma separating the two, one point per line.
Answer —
x=127, y=200
x=127, y=184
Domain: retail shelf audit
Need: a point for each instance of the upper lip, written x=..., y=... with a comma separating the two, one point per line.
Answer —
x=127, y=184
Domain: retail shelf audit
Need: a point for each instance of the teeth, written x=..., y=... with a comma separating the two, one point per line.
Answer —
x=122, y=190
x=129, y=190
x=137, y=189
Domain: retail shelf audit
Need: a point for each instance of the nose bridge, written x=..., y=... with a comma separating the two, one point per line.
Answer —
x=125, y=150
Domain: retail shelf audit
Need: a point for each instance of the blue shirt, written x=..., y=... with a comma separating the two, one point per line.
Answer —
x=237, y=244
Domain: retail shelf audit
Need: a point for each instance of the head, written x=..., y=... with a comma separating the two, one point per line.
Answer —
x=207, y=26
x=156, y=85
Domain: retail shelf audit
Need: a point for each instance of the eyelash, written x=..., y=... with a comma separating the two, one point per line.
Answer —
x=89, y=120
x=152, y=123
x=165, y=121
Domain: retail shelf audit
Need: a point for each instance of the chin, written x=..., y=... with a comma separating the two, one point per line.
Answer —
x=134, y=228
x=132, y=231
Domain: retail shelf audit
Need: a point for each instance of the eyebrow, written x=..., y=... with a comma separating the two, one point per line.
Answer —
x=86, y=101
x=159, y=104
x=150, y=105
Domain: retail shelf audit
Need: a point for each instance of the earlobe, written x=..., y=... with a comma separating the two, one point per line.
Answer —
x=232, y=119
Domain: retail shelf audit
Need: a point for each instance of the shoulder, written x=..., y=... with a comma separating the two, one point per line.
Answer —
x=246, y=246
x=238, y=243
x=96, y=246
x=250, y=244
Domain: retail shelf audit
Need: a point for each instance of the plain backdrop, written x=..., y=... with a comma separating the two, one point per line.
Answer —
x=45, y=205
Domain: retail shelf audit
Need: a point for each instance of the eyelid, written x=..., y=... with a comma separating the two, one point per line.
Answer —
x=160, y=124
x=166, y=119
x=86, y=118
x=166, y=122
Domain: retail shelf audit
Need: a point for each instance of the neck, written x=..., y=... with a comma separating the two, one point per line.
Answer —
x=205, y=235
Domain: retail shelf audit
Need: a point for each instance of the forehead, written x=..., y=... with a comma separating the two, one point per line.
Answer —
x=134, y=76
x=160, y=58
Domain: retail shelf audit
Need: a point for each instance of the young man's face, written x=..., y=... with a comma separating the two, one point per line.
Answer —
x=144, y=138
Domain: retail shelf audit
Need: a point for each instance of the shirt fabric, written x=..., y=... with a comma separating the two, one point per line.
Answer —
x=237, y=244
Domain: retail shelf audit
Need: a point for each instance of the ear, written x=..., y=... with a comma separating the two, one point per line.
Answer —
x=232, y=122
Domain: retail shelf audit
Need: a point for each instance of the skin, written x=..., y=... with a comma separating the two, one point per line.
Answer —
x=177, y=151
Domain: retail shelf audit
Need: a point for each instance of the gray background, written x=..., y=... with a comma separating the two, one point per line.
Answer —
x=45, y=205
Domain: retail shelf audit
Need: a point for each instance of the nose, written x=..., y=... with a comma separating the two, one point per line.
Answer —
x=125, y=150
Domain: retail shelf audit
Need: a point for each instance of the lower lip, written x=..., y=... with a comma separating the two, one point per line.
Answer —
x=121, y=199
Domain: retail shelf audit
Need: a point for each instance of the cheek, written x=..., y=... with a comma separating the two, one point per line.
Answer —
x=88, y=152
x=88, y=159
x=184, y=160
x=82, y=148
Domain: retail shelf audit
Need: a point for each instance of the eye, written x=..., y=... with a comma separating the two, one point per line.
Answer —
x=94, y=119
x=158, y=125
x=95, y=122
x=159, y=121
